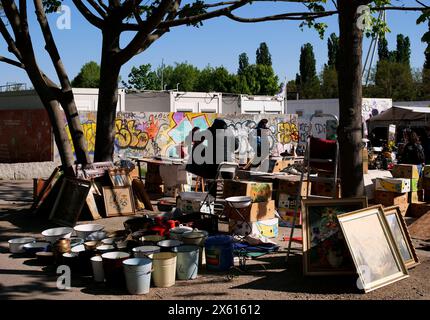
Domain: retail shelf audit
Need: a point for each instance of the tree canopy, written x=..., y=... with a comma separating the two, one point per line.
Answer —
x=88, y=77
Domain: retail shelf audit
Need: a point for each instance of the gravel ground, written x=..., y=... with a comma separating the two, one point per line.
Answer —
x=266, y=278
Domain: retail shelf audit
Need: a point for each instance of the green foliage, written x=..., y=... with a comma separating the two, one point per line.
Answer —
x=393, y=80
x=243, y=63
x=263, y=55
x=142, y=78
x=184, y=74
x=403, y=52
x=215, y=79
x=308, y=82
x=329, y=84
x=88, y=76
x=333, y=51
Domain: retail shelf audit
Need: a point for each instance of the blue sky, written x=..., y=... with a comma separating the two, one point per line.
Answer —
x=218, y=42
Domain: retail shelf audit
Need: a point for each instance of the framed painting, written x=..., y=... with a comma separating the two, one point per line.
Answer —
x=373, y=248
x=118, y=201
x=324, y=249
x=401, y=236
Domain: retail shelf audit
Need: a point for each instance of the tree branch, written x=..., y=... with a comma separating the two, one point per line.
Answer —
x=99, y=9
x=10, y=41
x=285, y=16
x=51, y=47
x=91, y=18
x=12, y=62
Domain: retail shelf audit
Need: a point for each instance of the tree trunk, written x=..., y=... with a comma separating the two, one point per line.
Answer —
x=75, y=126
x=108, y=97
x=350, y=100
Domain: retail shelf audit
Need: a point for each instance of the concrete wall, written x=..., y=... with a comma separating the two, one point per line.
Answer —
x=86, y=99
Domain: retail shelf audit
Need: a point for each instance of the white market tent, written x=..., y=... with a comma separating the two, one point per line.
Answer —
x=403, y=114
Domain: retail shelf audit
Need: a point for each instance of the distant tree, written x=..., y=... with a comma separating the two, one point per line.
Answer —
x=333, y=51
x=267, y=80
x=291, y=89
x=88, y=76
x=383, y=51
x=403, y=50
x=182, y=75
x=263, y=55
x=243, y=63
x=142, y=78
x=394, y=80
x=329, y=86
x=426, y=39
x=215, y=79
x=309, y=84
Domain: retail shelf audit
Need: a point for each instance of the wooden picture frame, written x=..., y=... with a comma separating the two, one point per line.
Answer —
x=401, y=236
x=118, y=201
x=74, y=193
x=373, y=248
x=324, y=249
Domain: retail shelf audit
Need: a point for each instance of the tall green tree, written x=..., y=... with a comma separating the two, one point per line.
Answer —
x=88, y=76
x=403, y=49
x=143, y=78
x=215, y=79
x=309, y=84
x=267, y=81
x=243, y=63
x=333, y=51
x=183, y=76
x=263, y=55
x=383, y=51
x=329, y=83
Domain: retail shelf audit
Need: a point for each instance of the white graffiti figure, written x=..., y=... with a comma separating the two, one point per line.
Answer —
x=364, y=21
x=64, y=21
x=64, y=280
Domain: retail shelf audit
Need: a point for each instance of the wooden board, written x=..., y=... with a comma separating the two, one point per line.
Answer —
x=46, y=188
x=91, y=205
x=142, y=195
x=420, y=229
x=70, y=201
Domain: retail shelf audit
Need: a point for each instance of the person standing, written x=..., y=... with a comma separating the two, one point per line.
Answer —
x=413, y=152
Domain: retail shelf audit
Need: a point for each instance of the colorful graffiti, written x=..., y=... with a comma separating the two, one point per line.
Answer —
x=148, y=134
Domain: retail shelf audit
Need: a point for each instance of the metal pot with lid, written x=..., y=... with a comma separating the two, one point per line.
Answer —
x=176, y=233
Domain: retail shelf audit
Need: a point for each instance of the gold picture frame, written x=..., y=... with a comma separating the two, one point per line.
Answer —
x=373, y=248
x=401, y=235
x=325, y=252
x=118, y=201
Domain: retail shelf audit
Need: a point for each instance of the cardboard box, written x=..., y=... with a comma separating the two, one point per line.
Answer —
x=287, y=201
x=407, y=171
x=258, y=191
x=416, y=185
x=287, y=216
x=399, y=185
x=387, y=198
x=256, y=212
x=267, y=228
x=413, y=197
x=292, y=187
x=419, y=209
x=325, y=189
x=404, y=208
x=281, y=164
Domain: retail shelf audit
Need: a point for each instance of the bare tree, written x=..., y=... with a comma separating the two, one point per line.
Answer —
x=15, y=31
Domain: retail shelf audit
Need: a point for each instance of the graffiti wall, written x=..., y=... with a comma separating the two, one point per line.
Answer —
x=147, y=134
x=25, y=136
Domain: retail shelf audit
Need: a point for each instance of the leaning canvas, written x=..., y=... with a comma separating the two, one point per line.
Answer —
x=374, y=251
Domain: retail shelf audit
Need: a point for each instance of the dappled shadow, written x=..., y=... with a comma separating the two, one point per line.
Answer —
x=292, y=280
x=16, y=191
x=201, y=294
x=28, y=289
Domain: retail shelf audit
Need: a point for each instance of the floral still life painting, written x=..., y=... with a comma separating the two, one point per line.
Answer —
x=325, y=251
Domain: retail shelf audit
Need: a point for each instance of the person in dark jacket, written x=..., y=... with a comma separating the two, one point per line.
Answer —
x=221, y=145
x=413, y=152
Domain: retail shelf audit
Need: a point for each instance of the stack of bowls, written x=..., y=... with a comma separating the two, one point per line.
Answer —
x=84, y=230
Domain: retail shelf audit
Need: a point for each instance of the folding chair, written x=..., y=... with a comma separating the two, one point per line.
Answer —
x=225, y=171
x=320, y=154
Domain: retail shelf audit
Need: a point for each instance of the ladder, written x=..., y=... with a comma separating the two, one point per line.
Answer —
x=312, y=162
